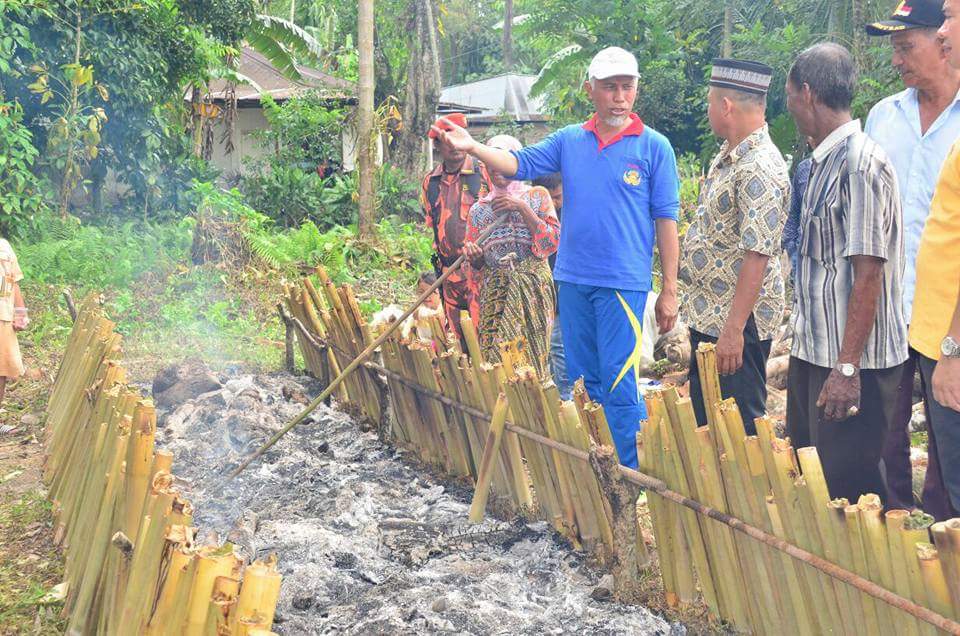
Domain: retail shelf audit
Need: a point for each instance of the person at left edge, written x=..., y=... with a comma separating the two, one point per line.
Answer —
x=733, y=286
x=620, y=192
x=448, y=192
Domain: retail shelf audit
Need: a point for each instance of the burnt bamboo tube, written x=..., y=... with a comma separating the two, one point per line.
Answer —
x=212, y=563
x=257, y=603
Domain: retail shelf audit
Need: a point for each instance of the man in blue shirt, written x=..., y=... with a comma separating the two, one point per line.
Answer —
x=916, y=128
x=620, y=191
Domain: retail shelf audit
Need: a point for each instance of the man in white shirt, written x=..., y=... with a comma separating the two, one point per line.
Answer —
x=916, y=128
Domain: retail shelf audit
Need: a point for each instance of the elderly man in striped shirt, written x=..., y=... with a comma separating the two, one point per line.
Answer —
x=849, y=331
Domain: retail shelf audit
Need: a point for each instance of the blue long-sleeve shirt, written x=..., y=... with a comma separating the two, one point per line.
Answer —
x=791, y=230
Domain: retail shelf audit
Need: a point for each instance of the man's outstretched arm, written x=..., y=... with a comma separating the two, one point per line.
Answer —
x=500, y=160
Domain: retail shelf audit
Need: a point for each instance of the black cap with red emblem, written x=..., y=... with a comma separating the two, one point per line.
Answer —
x=910, y=14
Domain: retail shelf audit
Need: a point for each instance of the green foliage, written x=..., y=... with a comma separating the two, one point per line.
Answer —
x=290, y=196
x=68, y=253
x=398, y=195
x=20, y=188
x=305, y=130
x=400, y=247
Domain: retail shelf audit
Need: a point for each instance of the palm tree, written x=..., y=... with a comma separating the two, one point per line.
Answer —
x=366, y=165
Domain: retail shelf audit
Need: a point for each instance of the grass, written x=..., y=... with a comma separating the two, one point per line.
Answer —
x=29, y=566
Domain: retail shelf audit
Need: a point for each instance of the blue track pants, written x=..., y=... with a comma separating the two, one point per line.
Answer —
x=601, y=330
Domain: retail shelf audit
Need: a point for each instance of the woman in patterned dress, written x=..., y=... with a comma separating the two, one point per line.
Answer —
x=13, y=316
x=517, y=296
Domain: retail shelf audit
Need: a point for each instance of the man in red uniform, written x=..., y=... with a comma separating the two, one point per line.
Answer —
x=446, y=195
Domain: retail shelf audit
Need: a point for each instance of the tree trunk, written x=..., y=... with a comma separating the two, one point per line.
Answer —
x=70, y=169
x=727, y=44
x=423, y=90
x=365, y=128
x=859, y=35
x=508, y=35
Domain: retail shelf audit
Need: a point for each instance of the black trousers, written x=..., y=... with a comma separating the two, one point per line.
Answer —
x=849, y=449
x=945, y=423
x=748, y=386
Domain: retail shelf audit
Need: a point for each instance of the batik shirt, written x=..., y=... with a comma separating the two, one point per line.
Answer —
x=743, y=206
x=11, y=274
x=514, y=237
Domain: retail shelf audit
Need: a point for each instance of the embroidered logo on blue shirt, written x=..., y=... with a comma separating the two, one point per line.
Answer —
x=631, y=177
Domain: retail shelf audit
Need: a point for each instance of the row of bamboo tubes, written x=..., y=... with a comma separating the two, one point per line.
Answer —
x=765, y=482
x=133, y=565
x=759, y=479
x=524, y=477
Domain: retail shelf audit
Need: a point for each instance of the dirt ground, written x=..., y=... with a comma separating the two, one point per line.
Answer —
x=30, y=565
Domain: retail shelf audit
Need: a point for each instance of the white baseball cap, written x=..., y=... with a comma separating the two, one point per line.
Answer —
x=611, y=62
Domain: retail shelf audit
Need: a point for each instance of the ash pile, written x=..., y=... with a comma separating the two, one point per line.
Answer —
x=367, y=543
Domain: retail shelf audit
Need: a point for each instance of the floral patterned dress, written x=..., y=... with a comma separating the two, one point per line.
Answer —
x=517, y=296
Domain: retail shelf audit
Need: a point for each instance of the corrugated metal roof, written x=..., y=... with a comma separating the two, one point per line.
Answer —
x=507, y=94
x=260, y=70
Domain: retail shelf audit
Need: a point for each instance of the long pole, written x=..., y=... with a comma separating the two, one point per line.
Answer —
x=366, y=353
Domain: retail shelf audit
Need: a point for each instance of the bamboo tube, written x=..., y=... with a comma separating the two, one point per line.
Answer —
x=894, y=520
x=676, y=479
x=804, y=609
x=786, y=572
x=781, y=470
x=817, y=505
x=469, y=331
x=538, y=458
x=546, y=418
x=587, y=515
x=491, y=451
x=258, y=594
x=949, y=560
x=683, y=428
x=915, y=530
x=676, y=562
x=174, y=592
x=144, y=567
x=212, y=563
x=858, y=548
x=709, y=379
x=931, y=569
x=138, y=463
x=100, y=540
x=598, y=510
x=877, y=556
x=223, y=600
x=728, y=558
x=816, y=537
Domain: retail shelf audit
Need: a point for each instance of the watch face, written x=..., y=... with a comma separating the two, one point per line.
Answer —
x=848, y=370
x=949, y=347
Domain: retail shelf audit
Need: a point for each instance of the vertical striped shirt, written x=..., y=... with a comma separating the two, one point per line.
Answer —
x=851, y=207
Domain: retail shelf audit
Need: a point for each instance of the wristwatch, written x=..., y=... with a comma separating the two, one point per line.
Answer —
x=847, y=370
x=950, y=348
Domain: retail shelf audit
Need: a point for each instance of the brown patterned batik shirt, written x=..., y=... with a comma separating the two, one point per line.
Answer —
x=743, y=207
